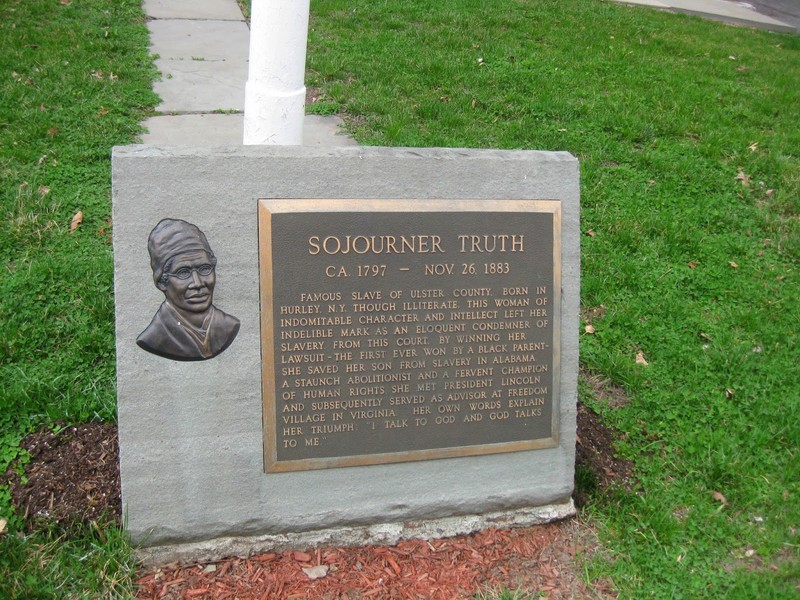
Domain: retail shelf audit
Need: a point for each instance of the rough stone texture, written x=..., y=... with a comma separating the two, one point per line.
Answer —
x=191, y=433
x=384, y=534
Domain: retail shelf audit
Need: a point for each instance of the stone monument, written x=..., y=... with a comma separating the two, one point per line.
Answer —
x=403, y=357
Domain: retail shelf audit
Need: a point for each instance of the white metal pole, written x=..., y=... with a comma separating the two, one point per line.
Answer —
x=275, y=94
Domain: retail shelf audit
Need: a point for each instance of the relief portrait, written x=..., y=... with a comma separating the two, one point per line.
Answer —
x=187, y=325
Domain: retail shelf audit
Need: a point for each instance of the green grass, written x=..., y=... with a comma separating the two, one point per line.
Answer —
x=75, y=79
x=505, y=594
x=95, y=562
x=697, y=271
x=669, y=116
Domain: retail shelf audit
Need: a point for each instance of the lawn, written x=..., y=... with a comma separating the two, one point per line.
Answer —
x=688, y=133
x=75, y=79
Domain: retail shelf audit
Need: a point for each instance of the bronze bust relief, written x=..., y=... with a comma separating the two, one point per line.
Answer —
x=187, y=325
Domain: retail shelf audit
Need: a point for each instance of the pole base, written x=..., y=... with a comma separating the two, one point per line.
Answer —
x=273, y=119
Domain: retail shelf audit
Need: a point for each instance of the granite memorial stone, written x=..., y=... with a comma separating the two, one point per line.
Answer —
x=403, y=361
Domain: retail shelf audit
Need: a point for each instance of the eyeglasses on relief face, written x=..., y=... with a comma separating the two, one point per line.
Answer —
x=186, y=272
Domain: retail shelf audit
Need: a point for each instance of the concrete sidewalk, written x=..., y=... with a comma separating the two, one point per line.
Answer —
x=726, y=11
x=203, y=48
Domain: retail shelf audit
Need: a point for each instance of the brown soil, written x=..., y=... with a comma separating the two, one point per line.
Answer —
x=594, y=450
x=73, y=475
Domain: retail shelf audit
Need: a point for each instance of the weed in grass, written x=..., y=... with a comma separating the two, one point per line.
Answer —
x=323, y=107
x=585, y=482
x=85, y=562
x=506, y=594
x=30, y=217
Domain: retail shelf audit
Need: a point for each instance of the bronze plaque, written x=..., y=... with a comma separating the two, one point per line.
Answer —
x=396, y=330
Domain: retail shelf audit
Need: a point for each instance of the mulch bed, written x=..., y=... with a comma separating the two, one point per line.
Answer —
x=539, y=559
x=73, y=476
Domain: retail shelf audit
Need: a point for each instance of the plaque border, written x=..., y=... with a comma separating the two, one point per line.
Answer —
x=266, y=207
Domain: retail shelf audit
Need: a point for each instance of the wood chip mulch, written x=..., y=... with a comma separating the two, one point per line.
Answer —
x=538, y=560
x=73, y=476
